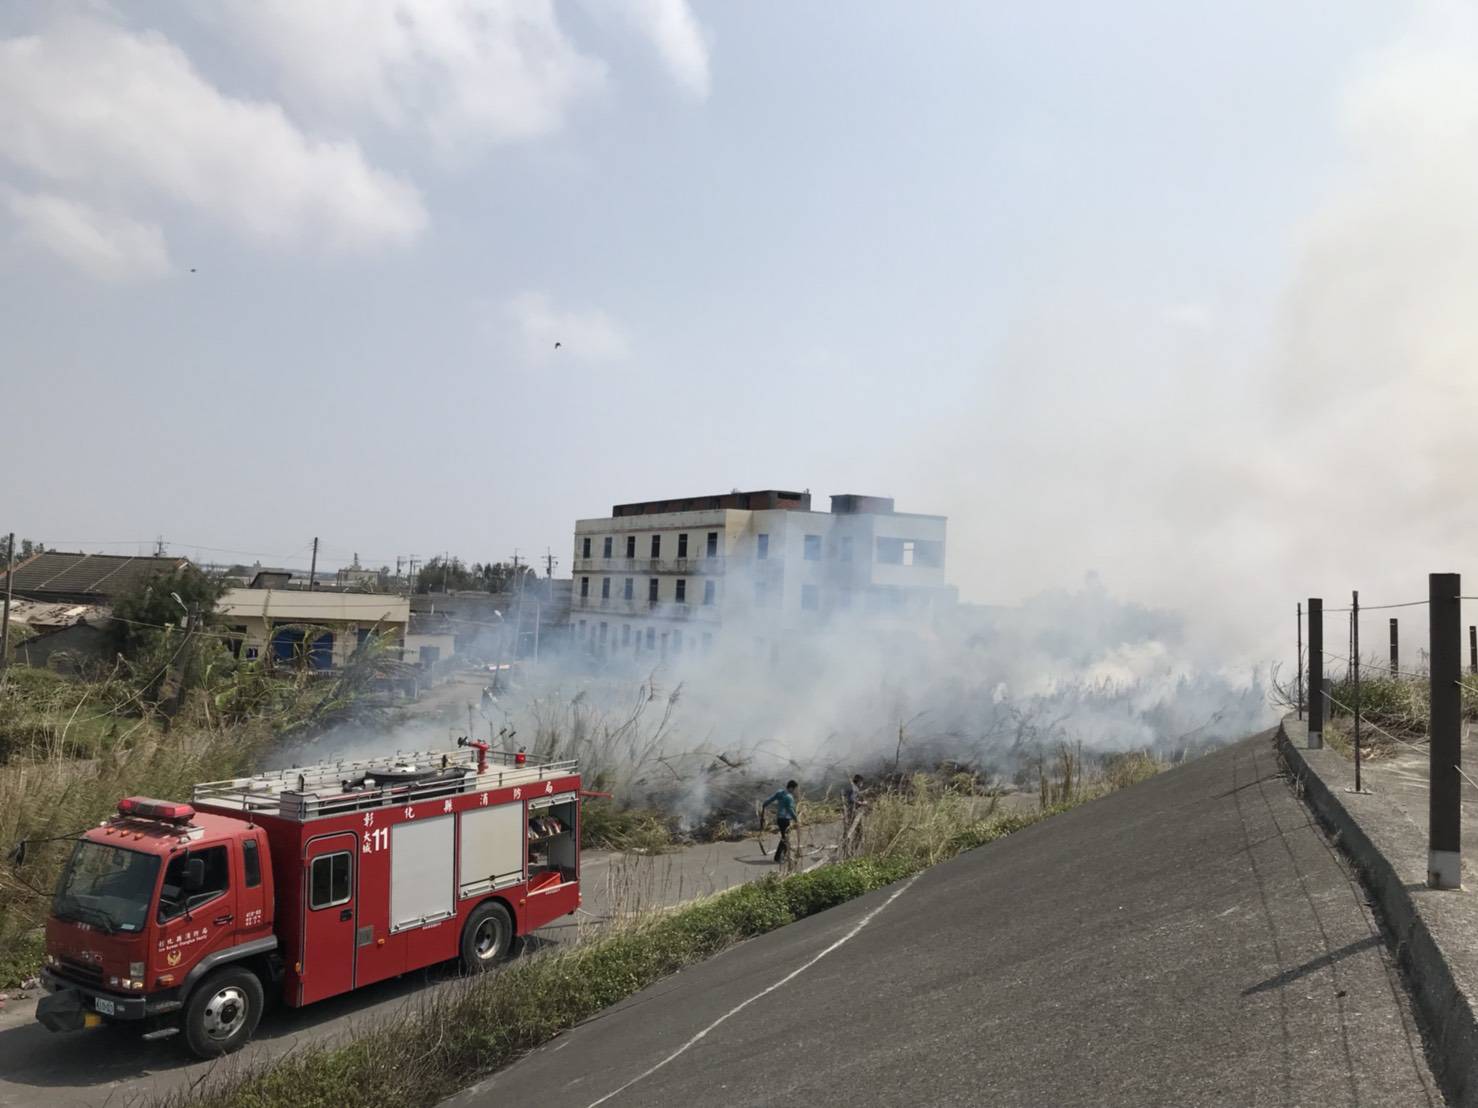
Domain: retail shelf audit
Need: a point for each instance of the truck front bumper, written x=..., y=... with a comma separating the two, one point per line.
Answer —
x=68, y=1004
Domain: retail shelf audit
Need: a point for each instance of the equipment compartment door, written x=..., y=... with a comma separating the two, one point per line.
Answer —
x=421, y=858
x=329, y=900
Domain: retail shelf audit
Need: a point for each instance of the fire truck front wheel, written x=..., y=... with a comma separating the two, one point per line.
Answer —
x=487, y=938
x=223, y=1011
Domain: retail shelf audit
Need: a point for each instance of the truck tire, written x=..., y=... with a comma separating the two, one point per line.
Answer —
x=488, y=937
x=223, y=1011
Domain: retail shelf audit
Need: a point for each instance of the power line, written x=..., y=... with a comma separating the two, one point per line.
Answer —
x=1384, y=607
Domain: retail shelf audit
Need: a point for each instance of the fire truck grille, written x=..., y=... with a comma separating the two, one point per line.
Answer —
x=84, y=972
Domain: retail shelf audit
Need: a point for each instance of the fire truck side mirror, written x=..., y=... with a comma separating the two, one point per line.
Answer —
x=18, y=854
x=194, y=879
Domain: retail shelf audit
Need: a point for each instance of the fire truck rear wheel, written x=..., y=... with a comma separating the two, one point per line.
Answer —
x=223, y=1011
x=487, y=938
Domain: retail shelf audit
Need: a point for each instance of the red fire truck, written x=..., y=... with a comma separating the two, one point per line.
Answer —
x=304, y=884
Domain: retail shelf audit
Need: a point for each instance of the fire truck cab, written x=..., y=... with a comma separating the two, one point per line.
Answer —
x=303, y=884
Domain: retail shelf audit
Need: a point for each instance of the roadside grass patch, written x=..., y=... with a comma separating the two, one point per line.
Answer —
x=605, y=826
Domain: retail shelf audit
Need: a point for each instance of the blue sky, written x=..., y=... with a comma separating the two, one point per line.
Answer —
x=1063, y=272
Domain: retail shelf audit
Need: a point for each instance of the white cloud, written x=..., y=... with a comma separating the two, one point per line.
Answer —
x=122, y=119
x=464, y=70
x=673, y=29
x=106, y=246
x=585, y=336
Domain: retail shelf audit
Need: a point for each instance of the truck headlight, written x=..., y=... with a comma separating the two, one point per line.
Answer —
x=135, y=969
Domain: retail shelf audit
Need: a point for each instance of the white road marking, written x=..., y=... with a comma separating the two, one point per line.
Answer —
x=792, y=975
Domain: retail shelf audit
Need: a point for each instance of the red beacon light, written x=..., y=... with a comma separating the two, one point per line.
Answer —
x=143, y=807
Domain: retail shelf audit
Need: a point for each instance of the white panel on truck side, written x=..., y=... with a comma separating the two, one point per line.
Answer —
x=492, y=848
x=421, y=871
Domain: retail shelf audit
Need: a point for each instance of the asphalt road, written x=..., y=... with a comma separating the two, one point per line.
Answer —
x=1191, y=941
x=111, y=1066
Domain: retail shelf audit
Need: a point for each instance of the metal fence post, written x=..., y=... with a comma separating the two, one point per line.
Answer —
x=1299, y=665
x=1395, y=650
x=1355, y=665
x=1316, y=673
x=1444, y=817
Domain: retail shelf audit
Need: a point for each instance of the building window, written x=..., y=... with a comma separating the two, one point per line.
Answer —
x=761, y=594
x=845, y=552
x=606, y=546
x=813, y=548
x=808, y=598
x=681, y=589
x=709, y=588
x=656, y=546
x=677, y=642
x=580, y=631
x=605, y=588
x=762, y=546
x=585, y=547
x=713, y=544
x=651, y=638
x=626, y=634
x=602, y=636
x=682, y=546
x=652, y=591
x=707, y=641
x=626, y=589
x=631, y=546
x=908, y=549
x=890, y=552
x=584, y=585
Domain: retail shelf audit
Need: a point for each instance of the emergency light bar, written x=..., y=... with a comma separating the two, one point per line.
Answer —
x=143, y=807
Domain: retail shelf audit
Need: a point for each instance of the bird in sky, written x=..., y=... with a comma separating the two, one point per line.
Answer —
x=558, y=345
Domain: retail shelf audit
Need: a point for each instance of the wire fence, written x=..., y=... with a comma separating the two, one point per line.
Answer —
x=1421, y=709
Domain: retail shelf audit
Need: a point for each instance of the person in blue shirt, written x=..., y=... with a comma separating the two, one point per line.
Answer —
x=784, y=801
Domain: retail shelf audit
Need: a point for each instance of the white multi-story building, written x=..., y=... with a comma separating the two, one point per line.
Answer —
x=670, y=576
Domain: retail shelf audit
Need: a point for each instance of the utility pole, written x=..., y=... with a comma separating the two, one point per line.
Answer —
x=1444, y=790
x=313, y=567
x=192, y=617
x=1395, y=649
x=9, y=588
x=548, y=562
x=518, y=619
x=159, y=547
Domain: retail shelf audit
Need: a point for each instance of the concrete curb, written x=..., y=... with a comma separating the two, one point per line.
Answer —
x=1441, y=1004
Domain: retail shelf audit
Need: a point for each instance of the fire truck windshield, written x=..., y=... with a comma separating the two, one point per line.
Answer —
x=106, y=886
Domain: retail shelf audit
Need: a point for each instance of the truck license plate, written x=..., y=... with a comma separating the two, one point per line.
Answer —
x=105, y=1006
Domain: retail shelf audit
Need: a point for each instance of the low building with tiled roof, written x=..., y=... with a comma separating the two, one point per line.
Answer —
x=59, y=577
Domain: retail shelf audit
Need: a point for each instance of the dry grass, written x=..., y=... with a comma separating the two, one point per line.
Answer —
x=49, y=794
